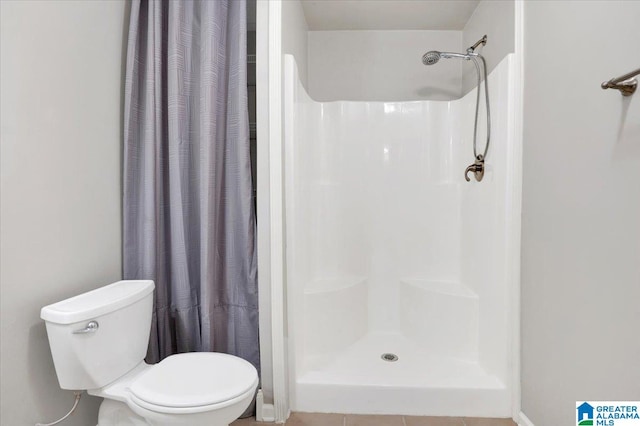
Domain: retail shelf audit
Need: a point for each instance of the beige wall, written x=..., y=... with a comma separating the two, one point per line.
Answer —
x=581, y=209
x=496, y=19
x=382, y=65
x=60, y=206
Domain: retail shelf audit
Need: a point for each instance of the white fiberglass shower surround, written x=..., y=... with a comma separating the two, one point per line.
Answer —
x=390, y=251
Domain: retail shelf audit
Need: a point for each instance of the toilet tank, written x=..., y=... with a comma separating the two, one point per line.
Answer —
x=88, y=357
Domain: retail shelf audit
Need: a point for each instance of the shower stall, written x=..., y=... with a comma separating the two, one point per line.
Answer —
x=389, y=283
x=398, y=271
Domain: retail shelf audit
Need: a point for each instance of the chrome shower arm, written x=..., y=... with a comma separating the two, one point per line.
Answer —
x=482, y=41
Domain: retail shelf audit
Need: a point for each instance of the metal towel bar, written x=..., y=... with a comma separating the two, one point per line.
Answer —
x=626, y=84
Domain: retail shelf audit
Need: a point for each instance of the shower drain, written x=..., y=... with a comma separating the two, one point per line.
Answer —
x=389, y=357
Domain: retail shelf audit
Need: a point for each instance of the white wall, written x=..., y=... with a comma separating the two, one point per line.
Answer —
x=386, y=65
x=294, y=35
x=382, y=65
x=496, y=19
x=292, y=39
x=281, y=28
x=263, y=62
x=489, y=220
x=61, y=132
x=581, y=209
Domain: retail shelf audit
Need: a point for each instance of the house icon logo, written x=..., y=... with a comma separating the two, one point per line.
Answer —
x=585, y=414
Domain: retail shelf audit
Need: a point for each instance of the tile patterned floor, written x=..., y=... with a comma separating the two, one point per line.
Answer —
x=316, y=419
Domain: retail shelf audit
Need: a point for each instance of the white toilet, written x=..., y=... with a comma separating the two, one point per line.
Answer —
x=99, y=340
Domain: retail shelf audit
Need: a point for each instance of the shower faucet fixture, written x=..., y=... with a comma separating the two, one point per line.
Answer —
x=431, y=58
x=477, y=168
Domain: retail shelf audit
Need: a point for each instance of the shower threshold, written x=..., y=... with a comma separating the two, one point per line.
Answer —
x=421, y=383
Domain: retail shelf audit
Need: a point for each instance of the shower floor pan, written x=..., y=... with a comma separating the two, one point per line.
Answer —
x=359, y=381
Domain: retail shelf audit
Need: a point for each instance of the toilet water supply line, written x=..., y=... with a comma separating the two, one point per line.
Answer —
x=75, y=405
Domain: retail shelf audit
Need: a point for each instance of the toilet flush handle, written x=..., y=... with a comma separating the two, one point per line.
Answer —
x=91, y=327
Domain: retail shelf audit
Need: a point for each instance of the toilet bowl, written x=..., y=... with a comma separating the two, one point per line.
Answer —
x=98, y=342
x=195, y=389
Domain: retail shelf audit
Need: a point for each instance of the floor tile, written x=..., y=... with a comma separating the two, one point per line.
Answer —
x=433, y=421
x=315, y=419
x=367, y=420
x=472, y=421
x=321, y=419
x=249, y=421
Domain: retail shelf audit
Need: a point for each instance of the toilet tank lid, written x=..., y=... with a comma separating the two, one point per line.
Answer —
x=97, y=302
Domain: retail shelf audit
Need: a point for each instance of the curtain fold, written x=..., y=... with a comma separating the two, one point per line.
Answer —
x=189, y=220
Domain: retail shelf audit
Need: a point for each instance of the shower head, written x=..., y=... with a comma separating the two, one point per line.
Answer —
x=434, y=56
x=431, y=57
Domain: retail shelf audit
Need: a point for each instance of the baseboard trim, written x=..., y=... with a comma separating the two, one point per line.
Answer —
x=524, y=420
x=264, y=412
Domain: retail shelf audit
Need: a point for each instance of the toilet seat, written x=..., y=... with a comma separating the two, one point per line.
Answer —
x=194, y=382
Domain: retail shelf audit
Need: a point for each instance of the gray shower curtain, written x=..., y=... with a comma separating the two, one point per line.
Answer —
x=189, y=222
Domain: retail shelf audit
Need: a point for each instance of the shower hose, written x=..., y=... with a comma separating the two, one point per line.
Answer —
x=486, y=96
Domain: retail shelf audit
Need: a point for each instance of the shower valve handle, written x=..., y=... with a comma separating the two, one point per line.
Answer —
x=477, y=168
